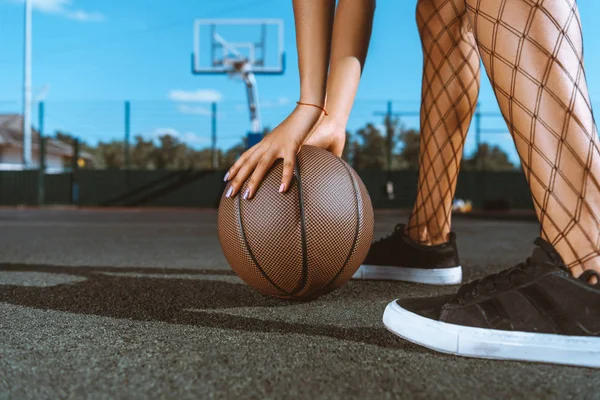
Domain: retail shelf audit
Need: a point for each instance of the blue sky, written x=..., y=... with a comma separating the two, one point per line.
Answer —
x=91, y=56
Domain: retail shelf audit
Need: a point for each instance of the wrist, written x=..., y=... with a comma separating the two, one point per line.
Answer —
x=307, y=112
x=334, y=125
x=313, y=97
x=336, y=120
x=311, y=107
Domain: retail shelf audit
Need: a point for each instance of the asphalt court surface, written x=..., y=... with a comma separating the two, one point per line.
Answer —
x=142, y=304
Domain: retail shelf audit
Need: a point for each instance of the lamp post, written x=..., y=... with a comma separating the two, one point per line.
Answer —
x=27, y=88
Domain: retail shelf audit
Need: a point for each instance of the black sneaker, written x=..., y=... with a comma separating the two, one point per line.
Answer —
x=399, y=258
x=535, y=311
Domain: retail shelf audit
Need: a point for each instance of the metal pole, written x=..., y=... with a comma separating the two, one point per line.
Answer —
x=479, y=167
x=27, y=88
x=214, y=158
x=252, y=93
x=127, y=134
x=478, y=161
x=42, y=169
x=263, y=44
x=213, y=42
x=255, y=134
x=74, y=168
x=389, y=135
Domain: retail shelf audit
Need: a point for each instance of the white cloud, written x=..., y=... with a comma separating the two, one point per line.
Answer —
x=263, y=104
x=85, y=16
x=158, y=132
x=193, y=110
x=52, y=6
x=192, y=139
x=280, y=102
x=42, y=93
x=189, y=138
x=197, y=96
x=63, y=8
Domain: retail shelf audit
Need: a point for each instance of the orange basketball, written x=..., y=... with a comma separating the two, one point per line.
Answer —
x=305, y=242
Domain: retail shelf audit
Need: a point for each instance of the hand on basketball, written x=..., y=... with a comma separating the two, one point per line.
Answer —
x=329, y=135
x=282, y=142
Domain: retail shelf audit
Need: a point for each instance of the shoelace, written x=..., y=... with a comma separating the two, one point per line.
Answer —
x=490, y=283
x=506, y=278
x=398, y=230
x=509, y=277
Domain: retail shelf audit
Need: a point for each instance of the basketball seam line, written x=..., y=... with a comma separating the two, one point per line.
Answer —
x=304, y=280
x=240, y=222
x=358, y=223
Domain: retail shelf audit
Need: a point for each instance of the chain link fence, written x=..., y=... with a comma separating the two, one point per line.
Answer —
x=178, y=135
x=162, y=153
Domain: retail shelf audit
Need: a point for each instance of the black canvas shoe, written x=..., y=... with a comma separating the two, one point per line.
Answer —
x=398, y=258
x=535, y=311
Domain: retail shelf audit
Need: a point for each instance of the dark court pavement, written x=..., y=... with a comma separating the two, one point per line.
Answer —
x=142, y=304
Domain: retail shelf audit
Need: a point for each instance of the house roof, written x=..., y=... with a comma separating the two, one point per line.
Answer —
x=11, y=135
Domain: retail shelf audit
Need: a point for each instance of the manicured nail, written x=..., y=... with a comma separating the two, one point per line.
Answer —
x=246, y=194
x=226, y=177
x=282, y=188
x=229, y=192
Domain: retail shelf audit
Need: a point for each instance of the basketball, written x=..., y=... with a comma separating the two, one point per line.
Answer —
x=305, y=242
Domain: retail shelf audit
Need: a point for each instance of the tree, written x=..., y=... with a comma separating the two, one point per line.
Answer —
x=490, y=158
x=348, y=152
x=142, y=153
x=65, y=137
x=370, y=152
x=409, y=155
x=231, y=155
x=170, y=154
x=111, y=154
x=200, y=159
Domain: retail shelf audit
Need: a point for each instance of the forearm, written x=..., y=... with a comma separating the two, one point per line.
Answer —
x=351, y=36
x=314, y=24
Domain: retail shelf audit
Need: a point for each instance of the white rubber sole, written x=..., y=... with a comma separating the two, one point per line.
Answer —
x=441, y=276
x=490, y=343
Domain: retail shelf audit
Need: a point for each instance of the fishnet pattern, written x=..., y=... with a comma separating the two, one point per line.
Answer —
x=451, y=70
x=533, y=54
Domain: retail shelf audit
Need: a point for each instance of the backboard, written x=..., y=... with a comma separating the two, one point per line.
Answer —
x=223, y=45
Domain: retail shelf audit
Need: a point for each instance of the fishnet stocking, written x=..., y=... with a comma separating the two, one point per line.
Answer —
x=533, y=54
x=449, y=97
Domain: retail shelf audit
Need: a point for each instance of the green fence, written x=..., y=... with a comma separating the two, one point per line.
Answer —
x=203, y=188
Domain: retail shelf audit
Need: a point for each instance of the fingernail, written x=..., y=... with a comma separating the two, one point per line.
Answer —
x=246, y=194
x=226, y=177
x=229, y=191
x=282, y=188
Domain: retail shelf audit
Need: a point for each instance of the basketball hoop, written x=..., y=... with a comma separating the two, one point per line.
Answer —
x=236, y=68
x=240, y=57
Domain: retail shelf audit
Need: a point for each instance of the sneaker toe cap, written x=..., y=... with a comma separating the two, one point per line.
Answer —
x=428, y=307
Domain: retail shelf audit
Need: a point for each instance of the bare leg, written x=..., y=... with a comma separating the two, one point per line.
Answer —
x=449, y=98
x=533, y=54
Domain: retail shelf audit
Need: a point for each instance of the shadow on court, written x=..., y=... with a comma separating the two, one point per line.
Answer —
x=114, y=292
x=142, y=304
